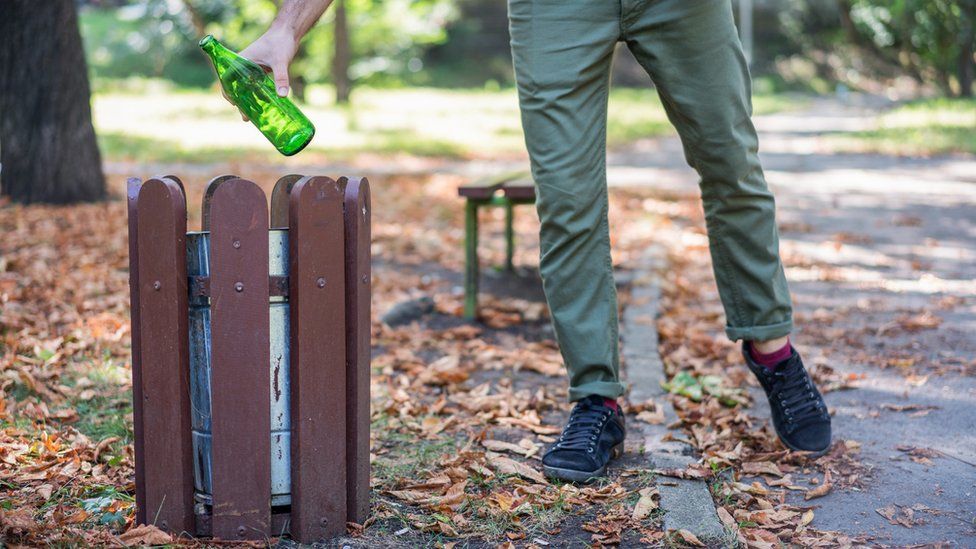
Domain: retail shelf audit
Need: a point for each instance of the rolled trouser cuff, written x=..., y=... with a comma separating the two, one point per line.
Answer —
x=760, y=333
x=606, y=389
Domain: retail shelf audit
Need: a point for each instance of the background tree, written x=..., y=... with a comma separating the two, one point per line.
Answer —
x=358, y=41
x=340, y=59
x=928, y=40
x=48, y=151
x=917, y=46
x=966, y=61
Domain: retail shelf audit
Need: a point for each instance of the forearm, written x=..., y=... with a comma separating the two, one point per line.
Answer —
x=296, y=17
x=276, y=48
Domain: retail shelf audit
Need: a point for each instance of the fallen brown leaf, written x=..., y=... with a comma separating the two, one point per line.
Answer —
x=145, y=534
x=508, y=466
x=821, y=490
x=689, y=538
x=645, y=505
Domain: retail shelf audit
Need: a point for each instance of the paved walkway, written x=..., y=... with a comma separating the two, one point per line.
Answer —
x=884, y=265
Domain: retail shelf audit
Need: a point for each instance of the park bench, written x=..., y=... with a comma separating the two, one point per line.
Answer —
x=506, y=191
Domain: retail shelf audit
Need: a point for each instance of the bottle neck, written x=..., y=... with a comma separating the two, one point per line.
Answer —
x=213, y=47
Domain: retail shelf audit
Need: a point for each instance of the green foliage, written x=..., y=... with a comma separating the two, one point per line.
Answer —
x=145, y=38
x=930, y=41
x=685, y=383
x=801, y=45
x=928, y=34
x=158, y=38
x=933, y=126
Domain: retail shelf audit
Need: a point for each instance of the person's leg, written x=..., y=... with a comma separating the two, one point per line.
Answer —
x=562, y=53
x=691, y=50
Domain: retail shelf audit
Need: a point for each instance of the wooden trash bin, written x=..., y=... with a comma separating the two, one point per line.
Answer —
x=250, y=357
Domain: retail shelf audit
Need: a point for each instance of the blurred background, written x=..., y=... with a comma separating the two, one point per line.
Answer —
x=901, y=48
x=433, y=78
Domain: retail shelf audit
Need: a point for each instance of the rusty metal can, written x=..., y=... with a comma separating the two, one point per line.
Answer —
x=198, y=264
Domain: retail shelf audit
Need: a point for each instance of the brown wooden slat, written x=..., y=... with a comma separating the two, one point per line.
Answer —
x=176, y=180
x=485, y=188
x=279, y=200
x=523, y=189
x=318, y=375
x=199, y=286
x=208, y=194
x=239, y=379
x=357, y=213
x=132, y=198
x=163, y=356
x=480, y=192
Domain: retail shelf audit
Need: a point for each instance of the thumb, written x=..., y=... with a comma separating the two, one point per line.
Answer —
x=281, y=79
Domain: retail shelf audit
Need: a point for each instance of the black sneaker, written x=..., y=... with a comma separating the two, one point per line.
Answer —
x=799, y=413
x=594, y=434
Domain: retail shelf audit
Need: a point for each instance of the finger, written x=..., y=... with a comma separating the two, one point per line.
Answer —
x=281, y=79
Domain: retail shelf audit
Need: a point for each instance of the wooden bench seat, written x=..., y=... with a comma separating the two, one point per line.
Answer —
x=506, y=191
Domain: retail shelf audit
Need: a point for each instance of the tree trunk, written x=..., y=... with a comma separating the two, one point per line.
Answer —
x=298, y=85
x=966, y=64
x=296, y=77
x=48, y=151
x=196, y=18
x=340, y=62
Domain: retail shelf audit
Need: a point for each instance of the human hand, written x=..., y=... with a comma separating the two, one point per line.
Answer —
x=273, y=51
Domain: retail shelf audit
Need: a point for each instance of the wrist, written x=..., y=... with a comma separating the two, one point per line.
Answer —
x=284, y=33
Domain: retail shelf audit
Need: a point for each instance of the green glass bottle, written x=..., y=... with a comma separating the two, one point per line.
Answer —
x=253, y=91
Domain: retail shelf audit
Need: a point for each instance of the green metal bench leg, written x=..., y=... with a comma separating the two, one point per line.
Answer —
x=470, y=260
x=509, y=236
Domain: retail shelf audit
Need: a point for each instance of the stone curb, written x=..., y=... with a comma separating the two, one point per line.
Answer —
x=687, y=504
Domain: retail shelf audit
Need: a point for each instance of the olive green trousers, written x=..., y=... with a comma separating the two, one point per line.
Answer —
x=562, y=50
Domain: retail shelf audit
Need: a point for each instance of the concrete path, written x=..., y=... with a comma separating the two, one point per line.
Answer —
x=687, y=504
x=884, y=281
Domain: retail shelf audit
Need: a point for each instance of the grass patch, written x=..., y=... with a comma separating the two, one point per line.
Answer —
x=763, y=104
x=120, y=146
x=407, y=457
x=148, y=122
x=926, y=127
x=103, y=406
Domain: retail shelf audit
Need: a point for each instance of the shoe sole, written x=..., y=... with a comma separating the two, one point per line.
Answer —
x=582, y=477
x=813, y=454
x=809, y=453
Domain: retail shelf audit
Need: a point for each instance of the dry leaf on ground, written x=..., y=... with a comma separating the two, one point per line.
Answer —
x=646, y=504
x=145, y=534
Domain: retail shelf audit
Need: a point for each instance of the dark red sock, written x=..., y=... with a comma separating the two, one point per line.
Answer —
x=611, y=403
x=773, y=359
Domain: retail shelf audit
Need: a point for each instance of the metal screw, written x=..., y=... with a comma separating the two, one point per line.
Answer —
x=157, y=285
x=164, y=524
x=320, y=282
x=324, y=521
x=237, y=243
x=239, y=286
x=241, y=531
